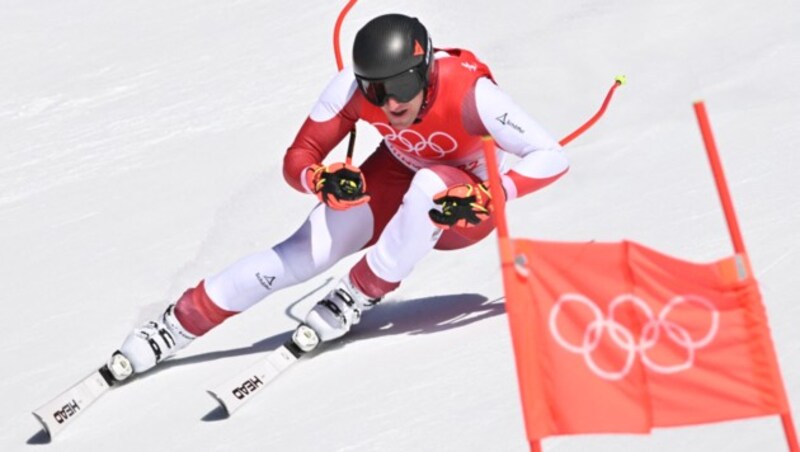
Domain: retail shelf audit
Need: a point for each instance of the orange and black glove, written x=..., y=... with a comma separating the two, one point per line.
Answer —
x=340, y=185
x=464, y=205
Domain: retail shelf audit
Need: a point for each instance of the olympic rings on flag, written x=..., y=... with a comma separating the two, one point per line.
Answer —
x=630, y=343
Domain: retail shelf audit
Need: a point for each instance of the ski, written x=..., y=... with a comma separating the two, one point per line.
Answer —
x=62, y=411
x=240, y=389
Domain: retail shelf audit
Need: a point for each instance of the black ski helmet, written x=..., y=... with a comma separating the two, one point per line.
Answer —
x=392, y=57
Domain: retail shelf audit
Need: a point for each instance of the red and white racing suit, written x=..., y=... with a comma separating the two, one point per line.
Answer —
x=442, y=148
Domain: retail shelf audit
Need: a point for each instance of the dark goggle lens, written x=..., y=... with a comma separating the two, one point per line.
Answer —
x=403, y=87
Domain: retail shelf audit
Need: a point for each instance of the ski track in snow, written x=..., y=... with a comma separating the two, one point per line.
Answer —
x=142, y=148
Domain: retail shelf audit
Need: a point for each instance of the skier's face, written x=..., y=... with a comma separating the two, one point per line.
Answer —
x=402, y=114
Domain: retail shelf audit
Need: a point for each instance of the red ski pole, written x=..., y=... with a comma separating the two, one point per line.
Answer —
x=336, y=31
x=618, y=81
x=340, y=65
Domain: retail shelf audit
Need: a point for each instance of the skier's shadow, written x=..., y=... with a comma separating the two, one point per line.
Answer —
x=39, y=439
x=423, y=316
x=418, y=316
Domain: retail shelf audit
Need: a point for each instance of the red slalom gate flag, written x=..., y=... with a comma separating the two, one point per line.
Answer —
x=617, y=337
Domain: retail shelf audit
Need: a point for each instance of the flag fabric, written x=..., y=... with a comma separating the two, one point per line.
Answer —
x=617, y=337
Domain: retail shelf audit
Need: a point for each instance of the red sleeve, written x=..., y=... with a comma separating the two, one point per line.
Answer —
x=313, y=143
x=332, y=117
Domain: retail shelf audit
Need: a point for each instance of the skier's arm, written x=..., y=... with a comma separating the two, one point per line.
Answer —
x=332, y=117
x=543, y=160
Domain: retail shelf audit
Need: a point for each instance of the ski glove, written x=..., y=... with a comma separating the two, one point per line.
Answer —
x=340, y=185
x=464, y=205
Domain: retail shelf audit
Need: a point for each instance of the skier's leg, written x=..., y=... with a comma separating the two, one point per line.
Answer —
x=406, y=239
x=326, y=237
x=411, y=235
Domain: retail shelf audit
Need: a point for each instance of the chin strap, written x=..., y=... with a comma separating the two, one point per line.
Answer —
x=429, y=92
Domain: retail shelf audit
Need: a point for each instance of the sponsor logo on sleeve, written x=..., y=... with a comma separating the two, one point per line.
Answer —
x=504, y=120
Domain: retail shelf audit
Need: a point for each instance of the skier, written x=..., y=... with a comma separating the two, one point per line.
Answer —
x=427, y=188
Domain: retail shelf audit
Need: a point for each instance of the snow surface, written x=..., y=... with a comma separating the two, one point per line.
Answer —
x=141, y=151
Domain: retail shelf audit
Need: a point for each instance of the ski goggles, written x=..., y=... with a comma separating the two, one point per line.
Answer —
x=403, y=86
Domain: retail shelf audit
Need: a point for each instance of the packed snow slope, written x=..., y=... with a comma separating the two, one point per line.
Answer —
x=141, y=151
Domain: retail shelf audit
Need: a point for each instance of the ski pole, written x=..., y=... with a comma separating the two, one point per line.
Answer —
x=340, y=65
x=618, y=81
x=337, y=51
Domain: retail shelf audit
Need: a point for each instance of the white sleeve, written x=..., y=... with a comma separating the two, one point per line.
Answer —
x=543, y=159
x=336, y=95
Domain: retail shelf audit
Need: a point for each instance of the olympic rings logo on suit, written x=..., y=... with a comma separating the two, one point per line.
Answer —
x=408, y=141
x=624, y=338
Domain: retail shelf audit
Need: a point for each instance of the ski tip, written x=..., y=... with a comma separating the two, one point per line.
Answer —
x=221, y=412
x=43, y=436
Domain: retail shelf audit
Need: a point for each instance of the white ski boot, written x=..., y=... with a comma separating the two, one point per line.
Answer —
x=333, y=316
x=148, y=345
